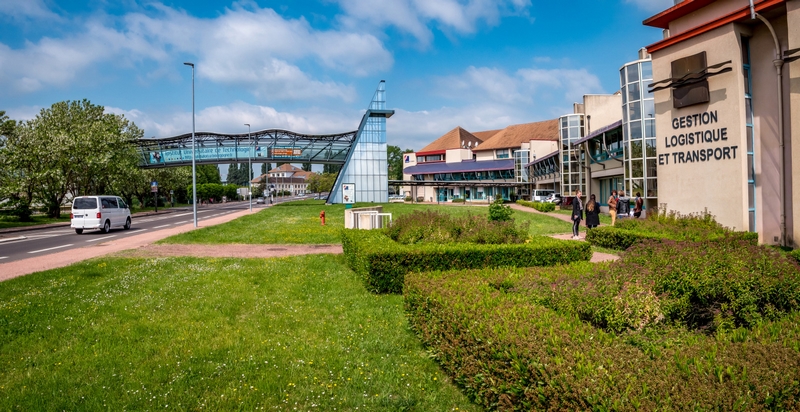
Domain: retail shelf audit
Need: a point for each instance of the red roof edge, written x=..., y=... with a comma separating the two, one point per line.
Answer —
x=663, y=19
x=432, y=152
x=742, y=13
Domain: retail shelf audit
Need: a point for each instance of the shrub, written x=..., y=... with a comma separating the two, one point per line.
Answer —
x=540, y=206
x=795, y=254
x=459, y=200
x=508, y=352
x=383, y=263
x=498, y=211
x=408, y=199
x=438, y=227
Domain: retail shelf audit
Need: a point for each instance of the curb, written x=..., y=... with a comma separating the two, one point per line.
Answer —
x=67, y=224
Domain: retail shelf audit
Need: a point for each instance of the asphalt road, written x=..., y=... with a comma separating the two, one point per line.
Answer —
x=37, y=242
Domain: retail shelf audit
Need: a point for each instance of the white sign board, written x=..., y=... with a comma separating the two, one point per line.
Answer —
x=348, y=193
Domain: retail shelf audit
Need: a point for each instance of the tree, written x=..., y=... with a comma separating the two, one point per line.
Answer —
x=321, y=182
x=15, y=184
x=331, y=169
x=208, y=174
x=265, y=168
x=395, y=161
x=85, y=151
x=306, y=167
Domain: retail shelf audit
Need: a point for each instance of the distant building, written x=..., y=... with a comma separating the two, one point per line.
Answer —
x=285, y=178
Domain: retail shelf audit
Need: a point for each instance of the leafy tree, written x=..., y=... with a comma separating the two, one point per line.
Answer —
x=321, y=182
x=331, y=169
x=208, y=174
x=306, y=167
x=85, y=151
x=15, y=185
x=265, y=168
x=395, y=159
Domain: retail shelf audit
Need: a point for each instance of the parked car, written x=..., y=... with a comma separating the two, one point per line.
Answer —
x=99, y=212
x=553, y=198
x=260, y=201
x=541, y=195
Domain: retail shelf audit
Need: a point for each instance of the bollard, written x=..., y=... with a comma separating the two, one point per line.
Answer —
x=322, y=217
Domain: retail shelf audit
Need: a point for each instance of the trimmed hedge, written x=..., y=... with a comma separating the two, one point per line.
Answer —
x=630, y=231
x=459, y=200
x=383, y=263
x=496, y=334
x=540, y=206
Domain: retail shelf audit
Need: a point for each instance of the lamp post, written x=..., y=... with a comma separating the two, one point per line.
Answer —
x=249, y=170
x=194, y=166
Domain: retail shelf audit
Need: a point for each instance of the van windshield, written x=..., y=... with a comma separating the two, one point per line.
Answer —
x=85, y=203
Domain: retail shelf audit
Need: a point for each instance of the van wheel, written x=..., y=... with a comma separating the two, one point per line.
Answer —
x=127, y=224
x=107, y=227
x=79, y=231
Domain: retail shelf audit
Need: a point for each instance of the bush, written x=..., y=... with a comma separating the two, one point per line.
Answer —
x=383, y=263
x=437, y=227
x=498, y=211
x=408, y=198
x=528, y=339
x=459, y=200
x=540, y=206
x=672, y=226
x=795, y=254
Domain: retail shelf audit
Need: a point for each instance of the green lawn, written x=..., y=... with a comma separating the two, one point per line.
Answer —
x=299, y=223
x=296, y=333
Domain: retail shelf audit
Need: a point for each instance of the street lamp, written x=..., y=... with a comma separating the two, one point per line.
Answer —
x=249, y=170
x=194, y=167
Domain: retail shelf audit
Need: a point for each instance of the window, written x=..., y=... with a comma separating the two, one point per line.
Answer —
x=501, y=153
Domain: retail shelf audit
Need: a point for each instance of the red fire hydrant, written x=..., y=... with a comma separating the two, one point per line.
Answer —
x=322, y=217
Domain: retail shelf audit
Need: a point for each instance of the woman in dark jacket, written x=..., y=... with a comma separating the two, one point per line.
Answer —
x=592, y=213
x=577, y=214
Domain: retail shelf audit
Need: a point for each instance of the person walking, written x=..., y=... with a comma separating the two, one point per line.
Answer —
x=637, y=205
x=612, y=206
x=577, y=215
x=592, y=213
x=623, y=205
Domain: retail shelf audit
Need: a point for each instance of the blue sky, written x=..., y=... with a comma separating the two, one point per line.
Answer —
x=312, y=66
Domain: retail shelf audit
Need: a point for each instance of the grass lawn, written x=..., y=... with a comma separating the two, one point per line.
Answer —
x=295, y=333
x=299, y=223
x=7, y=221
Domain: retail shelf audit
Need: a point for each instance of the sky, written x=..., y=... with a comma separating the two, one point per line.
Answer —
x=313, y=66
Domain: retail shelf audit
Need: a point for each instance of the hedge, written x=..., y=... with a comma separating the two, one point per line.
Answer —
x=489, y=330
x=795, y=254
x=382, y=263
x=626, y=234
x=540, y=206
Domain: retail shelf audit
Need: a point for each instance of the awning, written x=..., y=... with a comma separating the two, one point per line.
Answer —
x=460, y=167
x=598, y=132
x=541, y=159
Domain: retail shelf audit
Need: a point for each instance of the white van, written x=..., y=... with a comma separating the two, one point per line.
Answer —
x=539, y=195
x=99, y=212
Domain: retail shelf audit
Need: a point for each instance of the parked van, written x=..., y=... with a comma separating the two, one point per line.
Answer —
x=539, y=195
x=99, y=212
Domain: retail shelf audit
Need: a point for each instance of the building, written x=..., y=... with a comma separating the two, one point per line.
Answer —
x=284, y=178
x=477, y=166
x=727, y=110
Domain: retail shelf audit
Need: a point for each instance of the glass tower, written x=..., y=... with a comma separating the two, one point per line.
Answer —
x=366, y=167
x=571, y=129
x=639, y=129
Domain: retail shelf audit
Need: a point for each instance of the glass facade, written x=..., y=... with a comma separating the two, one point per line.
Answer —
x=750, y=138
x=639, y=129
x=367, y=167
x=571, y=129
x=520, y=160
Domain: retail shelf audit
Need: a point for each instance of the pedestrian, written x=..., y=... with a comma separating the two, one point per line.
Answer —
x=577, y=214
x=638, y=203
x=592, y=213
x=623, y=205
x=612, y=206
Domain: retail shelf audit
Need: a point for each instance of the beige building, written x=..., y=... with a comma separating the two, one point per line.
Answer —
x=284, y=178
x=727, y=109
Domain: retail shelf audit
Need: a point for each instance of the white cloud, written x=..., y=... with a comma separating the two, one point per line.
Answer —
x=254, y=48
x=231, y=118
x=653, y=6
x=27, y=9
x=525, y=86
x=413, y=16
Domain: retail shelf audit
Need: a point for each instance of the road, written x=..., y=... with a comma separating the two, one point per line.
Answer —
x=37, y=242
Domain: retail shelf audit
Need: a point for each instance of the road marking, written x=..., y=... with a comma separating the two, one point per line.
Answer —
x=51, y=248
x=13, y=239
x=159, y=227
x=3, y=257
x=100, y=238
x=59, y=231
